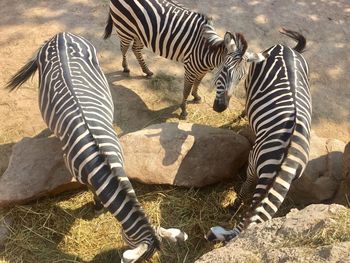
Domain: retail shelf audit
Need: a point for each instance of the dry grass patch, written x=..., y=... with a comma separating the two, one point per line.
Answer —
x=166, y=87
x=336, y=231
x=64, y=229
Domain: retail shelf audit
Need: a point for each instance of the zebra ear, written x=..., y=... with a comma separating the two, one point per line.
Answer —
x=209, y=33
x=229, y=42
x=235, y=43
x=256, y=57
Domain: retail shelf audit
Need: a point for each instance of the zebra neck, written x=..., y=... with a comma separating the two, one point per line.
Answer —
x=214, y=55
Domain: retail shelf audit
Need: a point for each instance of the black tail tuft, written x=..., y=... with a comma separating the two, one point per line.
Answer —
x=22, y=75
x=300, y=47
x=108, y=28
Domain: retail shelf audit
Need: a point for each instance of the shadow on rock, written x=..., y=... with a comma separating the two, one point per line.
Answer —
x=130, y=111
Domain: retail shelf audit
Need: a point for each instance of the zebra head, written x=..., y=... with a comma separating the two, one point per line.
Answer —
x=232, y=69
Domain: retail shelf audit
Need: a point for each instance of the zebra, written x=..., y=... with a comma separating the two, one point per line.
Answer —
x=76, y=104
x=278, y=107
x=173, y=32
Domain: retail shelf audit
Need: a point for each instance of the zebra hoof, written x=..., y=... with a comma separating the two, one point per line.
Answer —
x=149, y=74
x=197, y=100
x=233, y=209
x=126, y=70
x=99, y=212
x=183, y=116
x=98, y=208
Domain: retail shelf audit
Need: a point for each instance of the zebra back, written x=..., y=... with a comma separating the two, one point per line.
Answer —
x=166, y=27
x=279, y=111
x=278, y=107
x=76, y=104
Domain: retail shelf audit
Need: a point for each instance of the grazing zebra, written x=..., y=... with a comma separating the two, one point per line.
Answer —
x=76, y=104
x=173, y=32
x=278, y=108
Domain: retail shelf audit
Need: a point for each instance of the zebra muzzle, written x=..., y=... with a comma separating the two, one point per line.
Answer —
x=218, y=233
x=219, y=105
x=132, y=255
x=172, y=234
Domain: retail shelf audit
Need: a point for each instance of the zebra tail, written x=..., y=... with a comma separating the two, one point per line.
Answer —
x=23, y=74
x=277, y=192
x=301, y=41
x=109, y=27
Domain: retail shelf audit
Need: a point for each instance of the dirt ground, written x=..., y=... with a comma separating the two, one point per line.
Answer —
x=25, y=25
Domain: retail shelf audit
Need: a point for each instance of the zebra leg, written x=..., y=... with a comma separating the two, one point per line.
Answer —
x=137, y=48
x=124, y=46
x=197, y=99
x=245, y=192
x=98, y=206
x=186, y=92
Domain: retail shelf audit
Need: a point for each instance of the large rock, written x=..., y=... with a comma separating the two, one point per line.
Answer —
x=36, y=169
x=178, y=154
x=322, y=176
x=183, y=154
x=272, y=241
x=343, y=194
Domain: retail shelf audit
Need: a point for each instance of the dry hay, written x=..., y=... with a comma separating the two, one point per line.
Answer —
x=64, y=229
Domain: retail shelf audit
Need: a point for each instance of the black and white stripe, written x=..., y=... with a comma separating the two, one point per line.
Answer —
x=76, y=104
x=278, y=108
x=170, y=31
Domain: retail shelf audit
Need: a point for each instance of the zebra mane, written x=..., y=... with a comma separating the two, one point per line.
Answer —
x=209, y=33
x=183, y=7
x=175, y=3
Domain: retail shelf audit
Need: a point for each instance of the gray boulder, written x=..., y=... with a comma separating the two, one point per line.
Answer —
x=170, y=153
x=272, y=241
x=36, y=169
x=183, y=154
x=180, y=154
x=323, y=174
x=343, y=194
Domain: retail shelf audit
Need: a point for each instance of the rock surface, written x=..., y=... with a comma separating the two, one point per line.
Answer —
x=180, y=154
x=343, y=194
x=170, y=153
x=36, y=169
x=183, y=154
x=268, y=241
x=322, y=176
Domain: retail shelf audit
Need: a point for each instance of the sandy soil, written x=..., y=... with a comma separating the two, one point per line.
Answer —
x=24, y=25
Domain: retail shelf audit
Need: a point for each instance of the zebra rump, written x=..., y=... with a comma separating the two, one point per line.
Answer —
x=76, y=104
x=278, y=107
